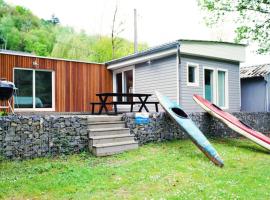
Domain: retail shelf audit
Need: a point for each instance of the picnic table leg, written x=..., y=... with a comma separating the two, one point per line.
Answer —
x=131, y=107
x=156, y=104
x=103, y=104
x=143, y=104
x=115, y=108
x=93, y=108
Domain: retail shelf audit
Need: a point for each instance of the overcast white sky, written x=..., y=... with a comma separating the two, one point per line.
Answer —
x=158, y=21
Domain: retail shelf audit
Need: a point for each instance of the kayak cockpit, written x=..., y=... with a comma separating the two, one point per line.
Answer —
x=179, y=112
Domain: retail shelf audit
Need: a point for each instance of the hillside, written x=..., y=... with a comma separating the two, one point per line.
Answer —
x=21, y=30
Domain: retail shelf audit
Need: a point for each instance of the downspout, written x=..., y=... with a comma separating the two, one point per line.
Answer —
x=178, y=53
x=178, y=71
x=267, y=86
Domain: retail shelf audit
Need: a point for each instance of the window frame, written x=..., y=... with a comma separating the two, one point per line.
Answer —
x=34, y=90
x=215, y=85
x=226, y=87
x=122, y=71
x=214, y=82
x=197, y=74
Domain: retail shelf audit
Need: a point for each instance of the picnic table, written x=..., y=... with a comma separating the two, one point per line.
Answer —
x=103, y=97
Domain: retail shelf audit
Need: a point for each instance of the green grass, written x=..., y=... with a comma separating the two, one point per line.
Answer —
x=170, y=170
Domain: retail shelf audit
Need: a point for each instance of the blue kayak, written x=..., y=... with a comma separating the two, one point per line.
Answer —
x=197, y=137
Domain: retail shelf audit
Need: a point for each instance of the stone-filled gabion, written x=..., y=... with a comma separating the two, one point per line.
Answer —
x=162, y=127
x=23, y=137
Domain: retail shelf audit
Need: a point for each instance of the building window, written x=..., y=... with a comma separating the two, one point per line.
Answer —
x=209, y=85
x=221, y=89
x=192, y=75
x=35, y=89
x=216, y=87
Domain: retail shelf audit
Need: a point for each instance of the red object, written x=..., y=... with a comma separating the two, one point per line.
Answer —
x=227, y=116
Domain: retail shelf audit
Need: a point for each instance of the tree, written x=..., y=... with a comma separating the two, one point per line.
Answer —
x=39, y=41
x=252, y=18
x=54, y=20
x=116, y=30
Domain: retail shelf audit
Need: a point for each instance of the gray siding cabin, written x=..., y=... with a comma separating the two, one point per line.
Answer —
x=182, y=68
x=255, y=88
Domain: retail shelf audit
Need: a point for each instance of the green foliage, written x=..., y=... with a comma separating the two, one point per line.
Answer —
x=3, y=113
x=22, y=31
x=251, y=17
x=169, y=170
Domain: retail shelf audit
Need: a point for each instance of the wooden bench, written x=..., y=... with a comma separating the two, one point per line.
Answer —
x=115, y=103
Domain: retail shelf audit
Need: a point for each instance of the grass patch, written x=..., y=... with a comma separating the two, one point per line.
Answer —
x=170, y=170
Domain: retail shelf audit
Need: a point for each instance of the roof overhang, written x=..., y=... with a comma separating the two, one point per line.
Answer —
x=217, y=50
x=142, y=59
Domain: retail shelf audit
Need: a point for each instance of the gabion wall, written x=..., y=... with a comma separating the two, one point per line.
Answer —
x=161, y=127
x=23, y=137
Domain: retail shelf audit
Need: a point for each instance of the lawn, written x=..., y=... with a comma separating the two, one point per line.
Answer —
x=170, y=170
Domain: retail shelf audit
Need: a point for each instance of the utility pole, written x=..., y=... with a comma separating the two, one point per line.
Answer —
x=135, y=32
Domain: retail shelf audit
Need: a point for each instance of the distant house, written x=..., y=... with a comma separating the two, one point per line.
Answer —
x=255, y=88
x=182, y=68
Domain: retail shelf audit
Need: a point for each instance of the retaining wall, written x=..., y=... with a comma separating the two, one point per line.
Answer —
x=23, y=137
x=161, y=127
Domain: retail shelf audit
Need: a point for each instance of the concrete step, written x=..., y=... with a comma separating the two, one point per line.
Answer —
x=107, y=131
x=113, y=148
x=103, y=118
x=94, y=140
x=112, y=124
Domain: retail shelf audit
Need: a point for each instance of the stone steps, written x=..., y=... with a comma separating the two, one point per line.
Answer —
x=95, y=140
x=107, y=131
x=110, y=124
x=108, y=135
x=103, y=118
x=113, y=148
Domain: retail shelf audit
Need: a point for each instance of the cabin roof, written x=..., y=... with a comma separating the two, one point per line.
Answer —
x=205, y=48
x=255, y=71
x=26, y=54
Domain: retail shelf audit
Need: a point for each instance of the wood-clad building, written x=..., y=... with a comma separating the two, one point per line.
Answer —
x=50, y=84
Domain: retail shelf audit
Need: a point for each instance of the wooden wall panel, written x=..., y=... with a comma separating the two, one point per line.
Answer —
x=76, y=83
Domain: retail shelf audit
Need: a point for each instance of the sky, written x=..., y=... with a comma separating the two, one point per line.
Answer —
x=158, y=21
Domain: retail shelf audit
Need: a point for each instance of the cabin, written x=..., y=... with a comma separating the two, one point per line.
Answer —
x=52, y=84
x=182, y=68
x=255, y=88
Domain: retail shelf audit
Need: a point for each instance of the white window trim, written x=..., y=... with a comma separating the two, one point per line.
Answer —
x=34, y=106
x=215, y=85
x=122, y=70
x=197, y=74
x=226, y=87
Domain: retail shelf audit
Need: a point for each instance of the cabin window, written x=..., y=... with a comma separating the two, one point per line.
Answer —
x=216, y=86
x=35, y=89
x=209, y=85
x=221, y=89
x=192, y=74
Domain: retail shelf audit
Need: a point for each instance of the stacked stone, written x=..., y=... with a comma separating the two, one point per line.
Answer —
x=161, y=127
x=23, y=137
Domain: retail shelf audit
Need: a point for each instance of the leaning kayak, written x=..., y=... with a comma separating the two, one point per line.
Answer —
x=233, y=123
x=183, y=120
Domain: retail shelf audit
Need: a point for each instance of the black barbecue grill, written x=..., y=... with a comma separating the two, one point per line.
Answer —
x=6, y=92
